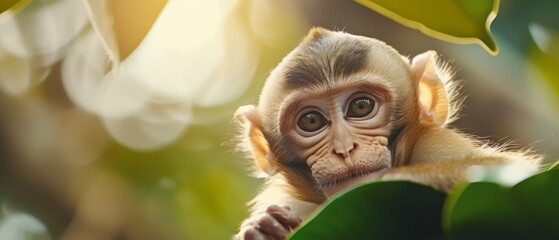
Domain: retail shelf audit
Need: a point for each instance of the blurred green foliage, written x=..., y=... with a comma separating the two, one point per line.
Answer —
x=451, y=20
x=7, y=4
x=196, y=187
x=532, y=27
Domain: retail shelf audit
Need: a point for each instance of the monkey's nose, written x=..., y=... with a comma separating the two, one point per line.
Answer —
x=345, y=153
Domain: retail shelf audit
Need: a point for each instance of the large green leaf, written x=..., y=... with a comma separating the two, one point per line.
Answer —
x=554, y=166
x=462, y=21
x=379, y=210
x=485, y=210
x=15, y=4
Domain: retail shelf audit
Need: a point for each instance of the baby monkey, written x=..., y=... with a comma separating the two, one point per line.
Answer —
x=342, y=109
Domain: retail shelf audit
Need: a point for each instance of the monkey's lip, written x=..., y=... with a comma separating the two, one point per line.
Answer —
x=352, y=178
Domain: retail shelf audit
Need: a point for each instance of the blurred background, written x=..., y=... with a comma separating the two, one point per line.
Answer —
x=115, y=116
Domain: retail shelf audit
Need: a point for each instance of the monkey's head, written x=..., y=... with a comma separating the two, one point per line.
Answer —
x=340, y=109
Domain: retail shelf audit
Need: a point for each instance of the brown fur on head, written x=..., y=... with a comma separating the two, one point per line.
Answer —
x=418, y=91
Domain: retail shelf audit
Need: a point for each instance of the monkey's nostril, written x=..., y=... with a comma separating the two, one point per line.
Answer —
x=353, y=147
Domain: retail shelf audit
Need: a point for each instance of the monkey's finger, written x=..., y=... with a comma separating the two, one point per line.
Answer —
x=284, y=216
x=271, y=227
x=253, y=234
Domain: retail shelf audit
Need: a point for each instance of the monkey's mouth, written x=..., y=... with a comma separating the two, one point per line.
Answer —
x=351, y=178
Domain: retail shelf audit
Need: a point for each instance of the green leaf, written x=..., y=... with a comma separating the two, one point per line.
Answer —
x=539, y=196
x=379, y=210
x=484, y=210
x=554, y=166
x=13, y=4
x=460, y=21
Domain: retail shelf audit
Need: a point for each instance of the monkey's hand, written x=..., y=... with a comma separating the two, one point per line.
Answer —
x=274, y=223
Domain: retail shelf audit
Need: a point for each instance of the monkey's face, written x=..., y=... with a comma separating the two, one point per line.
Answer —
x=341, y=132
x=340, y=101
x=327, y=111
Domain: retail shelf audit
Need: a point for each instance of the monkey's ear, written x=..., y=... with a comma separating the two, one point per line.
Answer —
x=433, y=97
x=253, y=140
x=315, y=33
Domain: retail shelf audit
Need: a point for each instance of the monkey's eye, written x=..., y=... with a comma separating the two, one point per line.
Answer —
x=311, y=121
x=360, y=107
